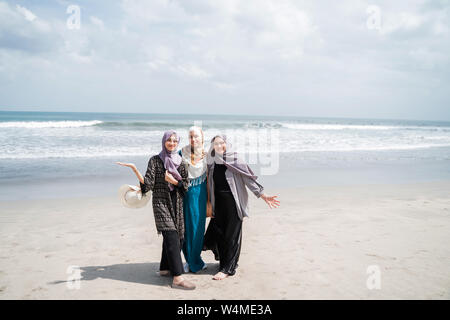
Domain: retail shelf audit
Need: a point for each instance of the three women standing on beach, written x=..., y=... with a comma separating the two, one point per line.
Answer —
x=184, y=185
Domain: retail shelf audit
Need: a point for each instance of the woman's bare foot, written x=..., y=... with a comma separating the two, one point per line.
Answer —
x=220, y=276
x=181, y=283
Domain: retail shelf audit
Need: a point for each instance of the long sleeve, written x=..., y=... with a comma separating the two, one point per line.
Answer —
x=183, y=184
x=149, y=179
x=253, y=185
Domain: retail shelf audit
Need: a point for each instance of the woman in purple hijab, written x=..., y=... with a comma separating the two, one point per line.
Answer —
x=167, y=178
x=171, y=158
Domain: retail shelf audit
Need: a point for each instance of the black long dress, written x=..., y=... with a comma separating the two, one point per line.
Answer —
x=224, y=233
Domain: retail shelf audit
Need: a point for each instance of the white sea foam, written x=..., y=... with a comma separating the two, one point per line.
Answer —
x=79, y=141
x=99, y=152
x=48, y=124
x=80, y=154
x=312, y=126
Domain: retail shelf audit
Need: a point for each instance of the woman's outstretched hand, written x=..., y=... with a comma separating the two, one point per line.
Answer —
x=271, y=201
x=129, y=165
x=135, y=170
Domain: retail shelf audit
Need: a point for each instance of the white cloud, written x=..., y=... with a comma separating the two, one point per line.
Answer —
x=30, y=16
x=156, y=11
x=194, y=71
x=222, y=35
x=20, y=29
x=97, y=22
x=427, y=59
x=402, y=21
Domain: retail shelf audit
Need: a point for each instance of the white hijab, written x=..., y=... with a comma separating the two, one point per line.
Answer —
x=199, y=168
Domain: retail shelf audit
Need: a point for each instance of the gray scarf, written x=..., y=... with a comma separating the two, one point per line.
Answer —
x=229, y=158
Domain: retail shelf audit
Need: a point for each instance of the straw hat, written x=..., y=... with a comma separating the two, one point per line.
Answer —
x=131, y=196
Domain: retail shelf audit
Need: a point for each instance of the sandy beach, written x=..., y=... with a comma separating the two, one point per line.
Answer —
x=320, y=244
x=340, y=110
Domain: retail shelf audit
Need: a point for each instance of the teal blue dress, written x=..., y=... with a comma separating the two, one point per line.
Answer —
x=194, y=206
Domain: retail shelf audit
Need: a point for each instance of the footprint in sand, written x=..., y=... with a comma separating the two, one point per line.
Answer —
x=377, y=256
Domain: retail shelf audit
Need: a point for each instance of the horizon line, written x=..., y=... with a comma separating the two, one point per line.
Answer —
x=229, y=114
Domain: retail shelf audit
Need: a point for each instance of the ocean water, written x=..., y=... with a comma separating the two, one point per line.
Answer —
x=55, y=154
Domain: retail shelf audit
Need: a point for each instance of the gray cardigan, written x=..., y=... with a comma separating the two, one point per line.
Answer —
x=237, y=183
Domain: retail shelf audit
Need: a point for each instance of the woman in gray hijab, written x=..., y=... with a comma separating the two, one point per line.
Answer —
x=228, y=178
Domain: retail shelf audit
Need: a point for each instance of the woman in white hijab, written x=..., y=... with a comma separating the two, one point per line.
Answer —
x=195, y=200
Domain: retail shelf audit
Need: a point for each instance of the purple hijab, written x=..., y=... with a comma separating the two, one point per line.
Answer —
x=229, y=158
x=171, y=160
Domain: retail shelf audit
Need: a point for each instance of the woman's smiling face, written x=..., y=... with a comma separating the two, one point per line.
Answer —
x=171, y=143
x=195, y=139
x=220, y=145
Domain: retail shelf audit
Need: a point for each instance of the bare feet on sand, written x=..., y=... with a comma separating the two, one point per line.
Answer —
x=220, y=276
x=181, y=283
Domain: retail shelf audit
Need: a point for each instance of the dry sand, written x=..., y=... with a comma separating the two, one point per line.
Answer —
x=318, y=245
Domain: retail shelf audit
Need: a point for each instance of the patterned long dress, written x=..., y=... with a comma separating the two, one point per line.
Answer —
x=167, y=217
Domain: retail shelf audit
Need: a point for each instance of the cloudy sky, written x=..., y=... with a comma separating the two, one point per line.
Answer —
x=360, y=59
